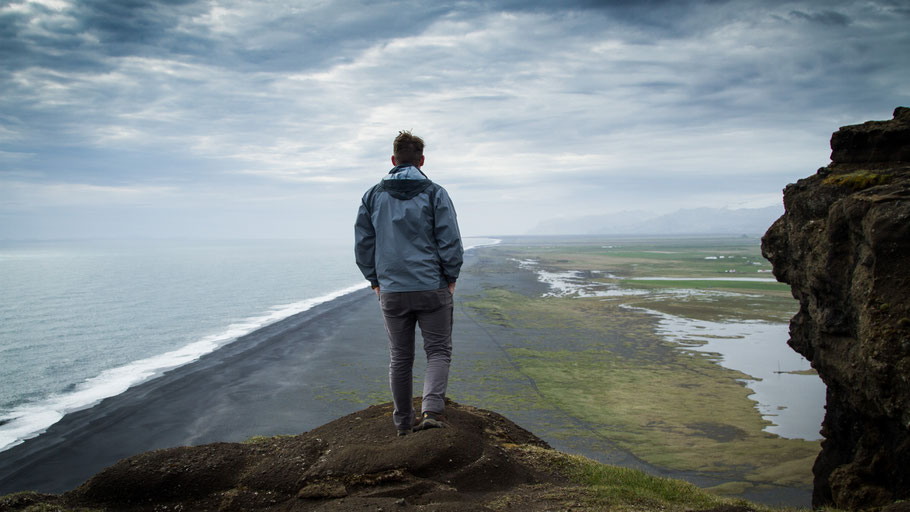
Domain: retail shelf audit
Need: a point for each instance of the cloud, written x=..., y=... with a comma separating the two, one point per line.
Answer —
x=824, y=17
x=23, y=194
x=527, y=107
x=299, y=176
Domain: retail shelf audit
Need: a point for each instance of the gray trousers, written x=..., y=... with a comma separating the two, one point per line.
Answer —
x=432, y=311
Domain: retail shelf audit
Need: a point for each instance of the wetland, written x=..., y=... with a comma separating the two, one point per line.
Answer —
x=672, y=350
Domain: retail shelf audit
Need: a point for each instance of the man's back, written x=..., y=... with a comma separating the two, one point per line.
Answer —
x=407, y=236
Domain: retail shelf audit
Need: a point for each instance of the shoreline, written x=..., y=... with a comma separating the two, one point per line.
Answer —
x=35, y=418
x=299, y=373
x=228, y=394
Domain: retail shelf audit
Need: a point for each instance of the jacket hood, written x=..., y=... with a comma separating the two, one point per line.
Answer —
x=405, y=182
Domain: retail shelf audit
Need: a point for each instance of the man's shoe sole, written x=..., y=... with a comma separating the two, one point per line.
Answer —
x=428, y=423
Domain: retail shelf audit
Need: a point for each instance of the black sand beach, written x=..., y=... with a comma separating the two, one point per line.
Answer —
x=291, y=377
x=267, y=382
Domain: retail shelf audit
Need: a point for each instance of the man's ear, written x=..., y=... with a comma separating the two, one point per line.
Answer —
x=393, y=161
x=421, y=162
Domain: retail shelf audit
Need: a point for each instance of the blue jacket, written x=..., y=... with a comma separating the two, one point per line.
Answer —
x=406, y=235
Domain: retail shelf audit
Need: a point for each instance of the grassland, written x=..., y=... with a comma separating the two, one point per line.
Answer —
x=617, y=488
x=624, y=262
x=595, y=358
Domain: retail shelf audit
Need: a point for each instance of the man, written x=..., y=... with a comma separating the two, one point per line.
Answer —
x=408, y=246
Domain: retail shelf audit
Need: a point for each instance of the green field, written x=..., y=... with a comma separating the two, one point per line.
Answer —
x=592, y=356
x=631, y=258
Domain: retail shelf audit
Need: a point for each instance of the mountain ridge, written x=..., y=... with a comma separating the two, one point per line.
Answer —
x=686, y=221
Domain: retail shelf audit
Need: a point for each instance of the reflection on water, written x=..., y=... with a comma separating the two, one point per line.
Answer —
x=794, y=403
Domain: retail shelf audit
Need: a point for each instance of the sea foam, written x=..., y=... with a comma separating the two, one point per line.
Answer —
x=32, y=419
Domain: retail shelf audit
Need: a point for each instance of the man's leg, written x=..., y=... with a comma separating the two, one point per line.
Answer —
x=399, y=324
x=436, y=328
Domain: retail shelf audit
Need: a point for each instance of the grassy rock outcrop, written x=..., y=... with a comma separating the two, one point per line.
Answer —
x=481, y=462
x=843, y=245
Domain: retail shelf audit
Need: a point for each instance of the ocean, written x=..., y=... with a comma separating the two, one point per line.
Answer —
x=81, y=321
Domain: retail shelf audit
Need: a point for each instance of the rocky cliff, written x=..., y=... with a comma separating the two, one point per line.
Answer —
x=843, y=245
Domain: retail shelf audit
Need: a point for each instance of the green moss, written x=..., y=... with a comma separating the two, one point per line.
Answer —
x=621, y=488
x=858, y=180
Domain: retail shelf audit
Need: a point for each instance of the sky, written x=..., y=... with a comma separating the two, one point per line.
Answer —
x=270, y=119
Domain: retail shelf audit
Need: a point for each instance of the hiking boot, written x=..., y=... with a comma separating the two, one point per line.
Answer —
x=430, y=420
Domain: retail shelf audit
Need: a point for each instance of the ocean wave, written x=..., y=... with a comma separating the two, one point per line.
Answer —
x=30, y=420
x=480, y=242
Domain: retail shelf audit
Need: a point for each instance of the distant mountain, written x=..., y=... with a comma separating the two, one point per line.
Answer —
x=694, y=221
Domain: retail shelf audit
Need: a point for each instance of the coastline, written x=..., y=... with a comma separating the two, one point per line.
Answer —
x=313, y=367
x=35, y=418
x=261, y=384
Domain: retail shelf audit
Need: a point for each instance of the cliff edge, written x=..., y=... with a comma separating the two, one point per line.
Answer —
x=843, y=245
x=355, y=462
x=480, y=462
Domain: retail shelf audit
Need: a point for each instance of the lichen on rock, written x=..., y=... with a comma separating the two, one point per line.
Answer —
x=843, y=245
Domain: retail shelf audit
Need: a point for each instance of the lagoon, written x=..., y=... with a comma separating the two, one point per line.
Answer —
x=792, y=402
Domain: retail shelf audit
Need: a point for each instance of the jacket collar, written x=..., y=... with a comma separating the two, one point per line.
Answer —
x=406, y=172
x=405, y=182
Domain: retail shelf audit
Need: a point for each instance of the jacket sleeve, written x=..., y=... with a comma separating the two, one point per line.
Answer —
x=365, y=245
x=448, y=238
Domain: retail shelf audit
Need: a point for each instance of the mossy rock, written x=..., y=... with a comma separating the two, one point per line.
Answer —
x=858, y=180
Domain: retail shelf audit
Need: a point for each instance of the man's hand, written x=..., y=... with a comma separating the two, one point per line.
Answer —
x=376, y=290
x=452, y=287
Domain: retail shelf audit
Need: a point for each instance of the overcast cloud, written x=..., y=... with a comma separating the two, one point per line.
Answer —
x=270, y=119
